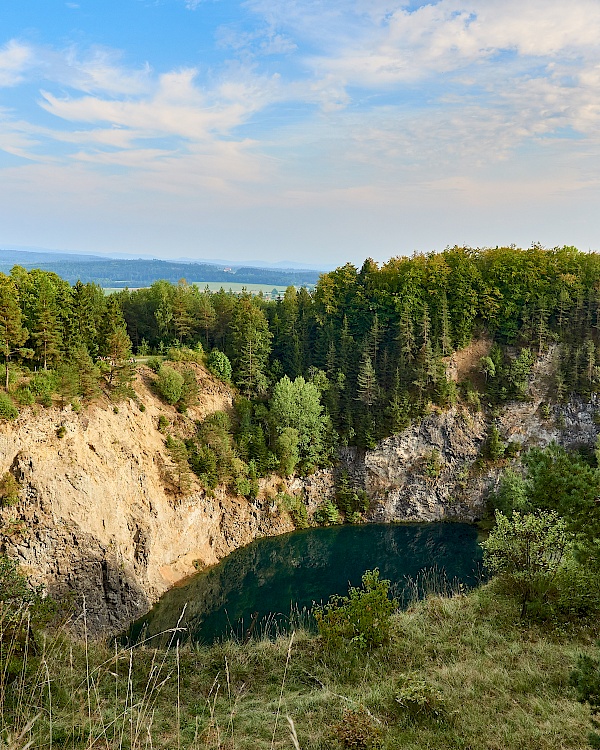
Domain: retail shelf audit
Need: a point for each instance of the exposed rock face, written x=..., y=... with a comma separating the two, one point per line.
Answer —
x=96, y=516
x=426, y=472
x=431, y=471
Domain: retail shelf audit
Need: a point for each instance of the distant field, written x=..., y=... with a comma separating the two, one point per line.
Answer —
x=235, y=287
x=214, y=286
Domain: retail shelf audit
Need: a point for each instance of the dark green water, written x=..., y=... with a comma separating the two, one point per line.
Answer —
x=272, y=576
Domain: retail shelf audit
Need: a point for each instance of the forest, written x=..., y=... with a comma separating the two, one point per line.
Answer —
x=348, y=364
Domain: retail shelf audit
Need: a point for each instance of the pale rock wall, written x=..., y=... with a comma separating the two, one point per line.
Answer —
x=96, y=515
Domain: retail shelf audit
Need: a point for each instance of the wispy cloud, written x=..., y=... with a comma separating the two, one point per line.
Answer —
x=15, y=59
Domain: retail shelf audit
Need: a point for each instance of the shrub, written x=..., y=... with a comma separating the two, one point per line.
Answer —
x=43, y=384
x=9, y=490
x=358, y=730
x=154, y=363
x=169, y=384
x=184, y=354
x=163, y=423
x=585, y=678
x=296, y=508
x=363, y=618
x=7, y=409
x=473, y=399
x=24, y=395
x=418, y=698
x=526, y=552
x=349, y=500
x=327, y=514
x=495, y=447
x=189, y=389
x=218, y=363
x=432, y=463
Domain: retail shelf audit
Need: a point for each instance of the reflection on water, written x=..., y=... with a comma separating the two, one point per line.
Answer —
x=259, y=585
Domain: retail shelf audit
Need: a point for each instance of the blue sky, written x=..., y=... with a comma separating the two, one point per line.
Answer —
x=318, y=131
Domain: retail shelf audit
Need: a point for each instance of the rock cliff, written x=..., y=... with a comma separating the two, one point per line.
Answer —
x=97, y=517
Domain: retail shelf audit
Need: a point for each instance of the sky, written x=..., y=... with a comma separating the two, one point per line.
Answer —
x=314, y=131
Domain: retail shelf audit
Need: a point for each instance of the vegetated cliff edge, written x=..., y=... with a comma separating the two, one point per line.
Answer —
x=97, y=516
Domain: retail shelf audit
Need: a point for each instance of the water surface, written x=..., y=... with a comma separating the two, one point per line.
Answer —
x=259, y=585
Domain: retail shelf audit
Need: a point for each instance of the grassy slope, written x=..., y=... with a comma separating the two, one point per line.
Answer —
x=502, y=685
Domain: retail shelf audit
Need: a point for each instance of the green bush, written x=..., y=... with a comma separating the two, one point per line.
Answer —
x=7, y=409
x=218, y=363
x=327, y=514
x=526, y=551
x=43, y=384
x=9, y=490
x=495, y=448
x=154, y=363
x=418, y=698
x=358, y=730
x=185, y=354
x=24, y=395
x=169, y=384
x=585, y=678
x=295, y=508
x=349, y=500
x=363, y=618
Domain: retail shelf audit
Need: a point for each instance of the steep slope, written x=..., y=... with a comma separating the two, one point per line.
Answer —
x=97, y=516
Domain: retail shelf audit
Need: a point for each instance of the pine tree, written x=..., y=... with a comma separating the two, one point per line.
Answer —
x=181, y=316
x=373, y=340
x=88, y=374
x=367, y=388
x=68, y=382
x=120, y=365
x=88, y=307
x=406, y=335
x=45, y=330
x=204, y=313
x=251, y=347
x=12, y=333
x=445, y=337
x=182, y=477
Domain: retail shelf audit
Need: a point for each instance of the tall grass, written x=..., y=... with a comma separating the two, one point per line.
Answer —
x=458, y=672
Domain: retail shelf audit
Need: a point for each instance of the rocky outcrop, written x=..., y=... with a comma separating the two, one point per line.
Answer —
x=434, y=469
x=97, y=517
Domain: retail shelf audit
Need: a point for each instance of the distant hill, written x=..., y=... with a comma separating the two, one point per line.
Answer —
x=120, y=273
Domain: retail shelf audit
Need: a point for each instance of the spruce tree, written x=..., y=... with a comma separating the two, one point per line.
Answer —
x=182, y=319
x=251, y=347
x=45, y=331
x=12, y=332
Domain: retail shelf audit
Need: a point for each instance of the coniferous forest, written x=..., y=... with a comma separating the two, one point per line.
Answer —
x=374, y=341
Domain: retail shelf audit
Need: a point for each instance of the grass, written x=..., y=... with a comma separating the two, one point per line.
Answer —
x=460, y=672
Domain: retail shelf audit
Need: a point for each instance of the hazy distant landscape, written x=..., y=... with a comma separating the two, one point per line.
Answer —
x=135, y=273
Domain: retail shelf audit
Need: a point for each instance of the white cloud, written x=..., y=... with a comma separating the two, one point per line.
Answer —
x=176, y=106
x=15, y=59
